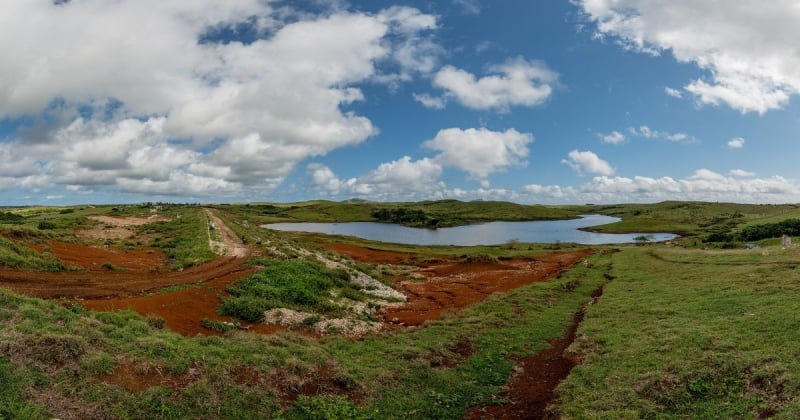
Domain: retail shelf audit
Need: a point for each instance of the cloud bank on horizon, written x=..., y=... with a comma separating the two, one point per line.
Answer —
x=267, y=100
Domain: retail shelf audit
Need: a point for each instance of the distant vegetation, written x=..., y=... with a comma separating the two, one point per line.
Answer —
x=19, y=256
x=789, y=227
x=430, y=214
x=184, y=239
x=404, y=216
x=11, y=218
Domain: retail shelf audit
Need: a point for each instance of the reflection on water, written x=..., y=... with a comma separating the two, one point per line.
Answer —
x=492, y=233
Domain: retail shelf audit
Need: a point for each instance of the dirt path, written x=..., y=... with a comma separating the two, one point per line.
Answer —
x=533, y=385
x=229, y=245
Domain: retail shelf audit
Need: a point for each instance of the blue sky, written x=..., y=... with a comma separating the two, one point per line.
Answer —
x=535, y=102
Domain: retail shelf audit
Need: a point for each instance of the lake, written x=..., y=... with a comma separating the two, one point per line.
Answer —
x=492, y=233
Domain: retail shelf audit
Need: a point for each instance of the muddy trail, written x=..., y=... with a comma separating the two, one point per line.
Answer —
x=533, y=386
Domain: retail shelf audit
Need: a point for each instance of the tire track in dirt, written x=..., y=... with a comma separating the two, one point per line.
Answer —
x=533, y=386
x=230, y=243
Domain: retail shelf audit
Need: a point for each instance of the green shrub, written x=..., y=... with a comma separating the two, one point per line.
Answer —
x=311, y=320
x=480, y=258
x=245, y=307
x=300, y=285
x=11, y=218
x=219, y=326
x=156, y=322
x=46, y=225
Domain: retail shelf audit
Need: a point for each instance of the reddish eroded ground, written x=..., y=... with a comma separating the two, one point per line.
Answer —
x=369, y=255
x=114, y=283
x=458, y=285
x=137, y=378
x=183, y=310
x=92, y=257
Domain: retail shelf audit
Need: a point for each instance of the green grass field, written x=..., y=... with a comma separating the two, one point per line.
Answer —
x=693, y=334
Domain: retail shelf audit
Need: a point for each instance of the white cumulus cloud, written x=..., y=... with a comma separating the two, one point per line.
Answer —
x=702, y=185
x=400, y=179
x=587, y=163
x=648, y=133
x=517, y=82
x=742, y=173
x=675, y=93
x=614, y=137
x=736, y=143
x=429, y=101
x=748, y=49
x=480, y=152
x=142, y=96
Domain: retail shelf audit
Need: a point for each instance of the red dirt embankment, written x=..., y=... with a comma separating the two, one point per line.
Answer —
x=458, y=284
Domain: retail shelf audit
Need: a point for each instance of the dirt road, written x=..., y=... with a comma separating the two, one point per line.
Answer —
x=130, y=272
x=229, y=245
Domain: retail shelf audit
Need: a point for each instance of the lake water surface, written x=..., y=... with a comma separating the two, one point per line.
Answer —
x=492, y=233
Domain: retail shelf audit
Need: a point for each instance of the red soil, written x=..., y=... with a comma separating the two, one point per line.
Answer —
x=458, y=285
x=114, y=283
x=92, y=258
x=369, y=255
x=137, y=378
x=182, y=310
x=447, y=286
x=135, y=272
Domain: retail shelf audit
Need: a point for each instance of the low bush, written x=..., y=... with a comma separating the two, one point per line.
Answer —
x=300, y=285
x=46, y=225
x=219, y=326
x=53, y=349
x=480, y=258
